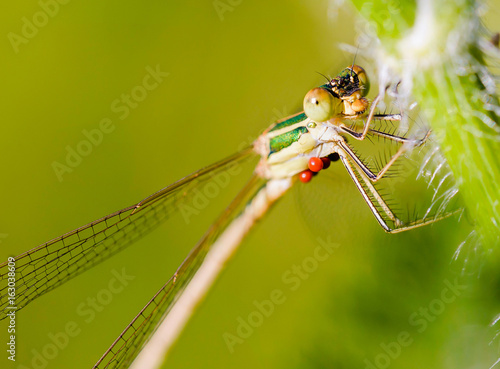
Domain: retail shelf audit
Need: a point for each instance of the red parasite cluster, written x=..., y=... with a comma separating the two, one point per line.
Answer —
x=315, y=165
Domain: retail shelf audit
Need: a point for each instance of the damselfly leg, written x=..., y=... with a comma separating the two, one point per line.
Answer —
x=407, y=145
x=378, y=205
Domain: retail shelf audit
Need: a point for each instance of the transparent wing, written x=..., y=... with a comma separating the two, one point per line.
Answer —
x=130, y=342
x=51, y=264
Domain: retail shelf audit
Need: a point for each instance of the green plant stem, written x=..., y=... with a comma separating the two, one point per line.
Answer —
x=444, y=71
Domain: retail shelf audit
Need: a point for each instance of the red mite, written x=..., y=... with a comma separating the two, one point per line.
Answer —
x=305, y=176
x=315, y=165
x=326, y=163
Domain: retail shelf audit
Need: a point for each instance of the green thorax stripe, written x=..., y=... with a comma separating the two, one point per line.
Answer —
x=295, y=119
x=283, y=140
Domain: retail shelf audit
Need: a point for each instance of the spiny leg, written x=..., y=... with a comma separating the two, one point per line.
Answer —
x=390, y=117
x=399, y=139
x=366, y=197
x=392, y=137
x=399, y=226
x=375, y=177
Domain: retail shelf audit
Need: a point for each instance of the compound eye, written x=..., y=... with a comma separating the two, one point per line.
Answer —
x=364, y=82
x=320, y=105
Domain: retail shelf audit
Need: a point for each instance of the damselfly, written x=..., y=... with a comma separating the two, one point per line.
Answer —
x=297, y=147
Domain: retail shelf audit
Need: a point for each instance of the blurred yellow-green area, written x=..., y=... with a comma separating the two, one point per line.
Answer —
x=222, y=72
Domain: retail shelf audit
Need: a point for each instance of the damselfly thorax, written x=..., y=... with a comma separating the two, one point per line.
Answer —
x=286, y=150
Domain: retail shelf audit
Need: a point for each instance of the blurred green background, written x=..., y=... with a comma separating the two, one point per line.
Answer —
x=231, y=73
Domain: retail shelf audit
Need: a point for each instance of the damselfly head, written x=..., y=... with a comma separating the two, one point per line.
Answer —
x=321, y=105
x=352, y=79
